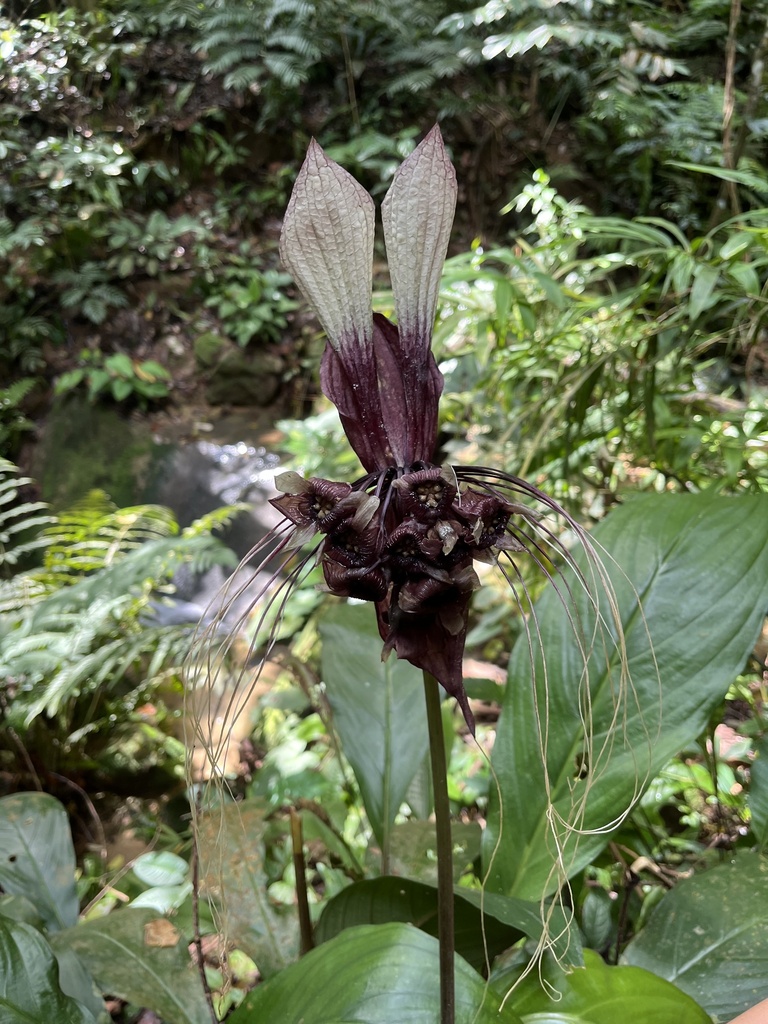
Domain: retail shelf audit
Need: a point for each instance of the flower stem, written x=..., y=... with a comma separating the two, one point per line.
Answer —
x=444, y=850
x=305, y=922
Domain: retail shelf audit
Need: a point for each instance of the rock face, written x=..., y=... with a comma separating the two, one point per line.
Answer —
x=238, y=376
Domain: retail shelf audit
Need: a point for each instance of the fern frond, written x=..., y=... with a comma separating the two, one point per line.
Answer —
x=215, y=520
x=20, y=521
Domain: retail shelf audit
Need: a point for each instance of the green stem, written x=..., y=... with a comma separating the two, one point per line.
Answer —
x=444, y=850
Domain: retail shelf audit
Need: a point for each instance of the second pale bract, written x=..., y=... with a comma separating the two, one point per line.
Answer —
x=406, y=534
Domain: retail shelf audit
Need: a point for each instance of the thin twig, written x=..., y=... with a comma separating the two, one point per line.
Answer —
x=445, y=927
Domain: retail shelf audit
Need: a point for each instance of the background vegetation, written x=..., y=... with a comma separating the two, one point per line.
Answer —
x=602, y=332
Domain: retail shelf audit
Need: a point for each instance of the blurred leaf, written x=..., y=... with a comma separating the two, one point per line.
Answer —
x=599, y=994
x=597, y=918
x=708, y=936
x=747, y=178
x=37, y=858
x=374, y=974
x=378, y=711
x=140, y=957
x=29, y=980
x=758, y=792
x=76, y=982
x=164, y=868
x=704, y=280
x=231, y=845
x=711, y=549
x=413, y=849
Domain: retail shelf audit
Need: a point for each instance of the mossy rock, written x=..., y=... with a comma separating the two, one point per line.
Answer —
x=248, y=378
x=209, y=348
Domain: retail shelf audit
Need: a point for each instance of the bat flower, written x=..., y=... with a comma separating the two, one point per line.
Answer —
x=406, y=535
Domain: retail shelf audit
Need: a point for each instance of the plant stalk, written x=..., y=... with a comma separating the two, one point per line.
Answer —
x=305, y=922
x=445, y=928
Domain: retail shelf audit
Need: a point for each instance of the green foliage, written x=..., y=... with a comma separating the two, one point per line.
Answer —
x=79, y=641
x=641, y=83
x=599, y=994
x=250, y=303
x=604, y=343
x=724, y=962
x=666, y=545
x=275, y=47
x=88, y=291
x=49, y=966
x=38, y=858
x=13, y=422
x=235, y=870
x=38, y=990
x=378, y=710
x=117, y=375
x=20, y=521
x=370, y=974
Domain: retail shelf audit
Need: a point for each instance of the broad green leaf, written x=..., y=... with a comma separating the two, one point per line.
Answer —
x=19, y=908
x=704, y=280
x=735, y=244
x=37, y=858
x=709, y=936
x=75, y=981
x=747, y=178
x=231, y=845
x=163, y=898
x=413, y=851
x=138, y=956
x=758, y=792
x=163, y=868
x=699, y=564
x=382, y=900
x=373, y=974
x=599, y=994
x=746, y=276
x=29, y=980
x=378, y=711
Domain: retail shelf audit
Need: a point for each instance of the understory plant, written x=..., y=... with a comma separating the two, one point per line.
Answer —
x=602, y=716
x=83, y=641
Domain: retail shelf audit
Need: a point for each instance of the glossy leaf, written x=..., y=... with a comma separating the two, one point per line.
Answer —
x=486, y=925
x=231, y=845
x=699, y=564
x=599, y=994
x=75, y=981
x=758, y=792
x=29, y=980
x=708, y=936
x=382, y=900
x=378, y=711
x=375, y=974
x=37, y=858
x=160, y=868
x=140, y=957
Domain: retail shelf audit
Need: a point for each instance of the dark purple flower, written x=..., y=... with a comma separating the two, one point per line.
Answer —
x=413, y=555
x=406, y=535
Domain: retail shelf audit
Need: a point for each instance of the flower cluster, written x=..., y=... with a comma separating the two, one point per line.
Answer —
x=409, y=547
x=406, y=535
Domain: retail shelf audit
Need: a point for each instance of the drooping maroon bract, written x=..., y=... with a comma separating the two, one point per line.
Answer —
x=406, y=534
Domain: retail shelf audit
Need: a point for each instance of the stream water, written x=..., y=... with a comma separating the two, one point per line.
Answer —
x=86, y=446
